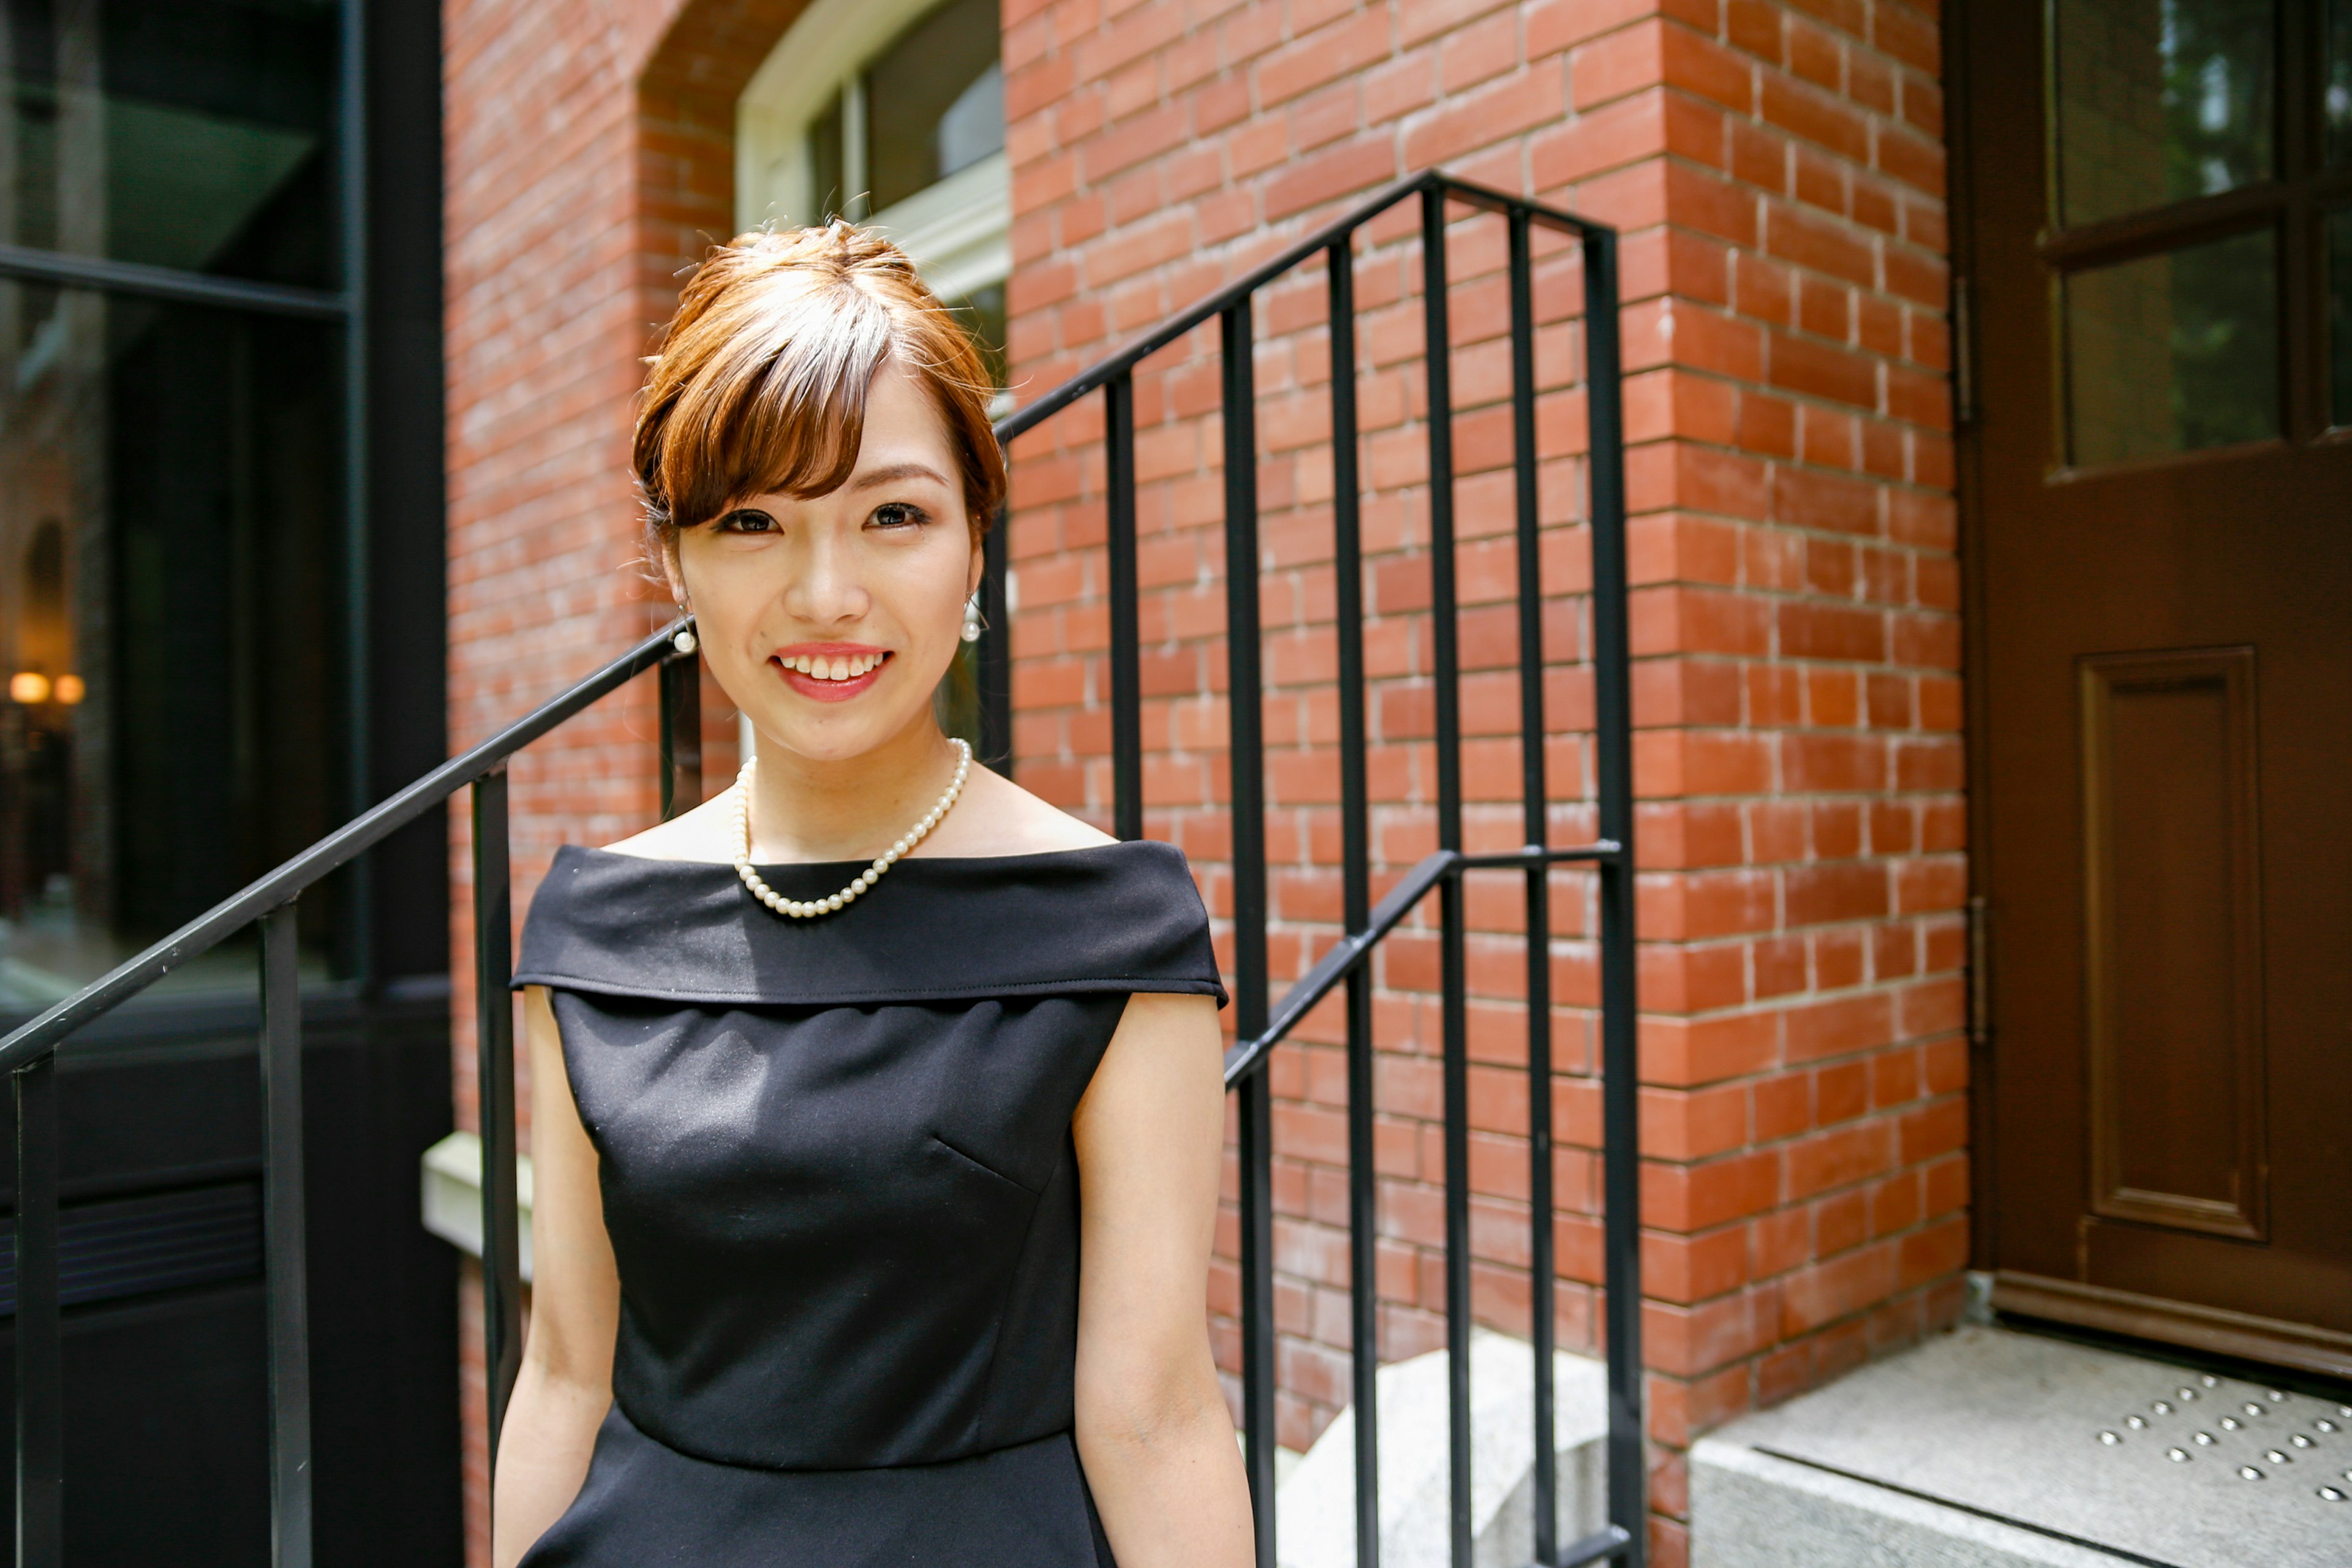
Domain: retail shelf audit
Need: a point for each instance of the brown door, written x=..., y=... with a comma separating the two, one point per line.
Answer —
x=2157, y=197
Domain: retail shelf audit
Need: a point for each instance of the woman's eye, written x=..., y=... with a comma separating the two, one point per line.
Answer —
x=897, y=514
x=747, y=522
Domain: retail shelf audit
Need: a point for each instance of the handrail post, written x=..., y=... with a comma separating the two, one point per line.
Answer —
x=1535, y=796
x=286, y=1239
x=1246, y=757
x=1126, y=635
x=1614, y=755
x=41, y=1377
x=1454, y=966
x=494, y=1101
x=681, y=733
x=995, y=661
x=1356, y=898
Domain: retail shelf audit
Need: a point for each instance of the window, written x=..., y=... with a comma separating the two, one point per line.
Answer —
x=174, y=577
x=890, y=112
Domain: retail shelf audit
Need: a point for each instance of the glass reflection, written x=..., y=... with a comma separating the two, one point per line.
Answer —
x=193, y=134
x=2337, y=94
x=2160, y=101
x=171, y=616
x=2340, y=314
x=935, y=101
x=2173, y=352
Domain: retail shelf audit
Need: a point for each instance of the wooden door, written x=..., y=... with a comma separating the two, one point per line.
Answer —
x=2156, y=199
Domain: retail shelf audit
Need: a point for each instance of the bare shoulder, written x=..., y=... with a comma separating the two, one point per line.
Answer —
x=997, y=816
x=705, y=833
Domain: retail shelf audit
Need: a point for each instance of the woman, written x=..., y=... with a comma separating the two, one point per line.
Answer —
x=876, y=1104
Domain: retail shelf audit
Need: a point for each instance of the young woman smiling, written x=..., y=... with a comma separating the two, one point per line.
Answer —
x=876, y=1103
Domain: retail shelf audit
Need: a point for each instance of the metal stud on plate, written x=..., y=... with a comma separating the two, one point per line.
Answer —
x=2300, y=1441
x=2209, y=1381
x=2204, y=1439
x=2332, y=1494
x=2230, y=1423
x=2178, y=1456
x=2161, y=1407
x=2251, y=1408
x=2276, y=1457
x=2275, y=1395
x=2248, y=1473
x=2109, y=1438
x=2136, y=1421
x=2325, y=1424
x=2187, y=1393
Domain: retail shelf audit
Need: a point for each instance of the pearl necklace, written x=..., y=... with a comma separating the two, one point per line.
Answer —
x=866, y=878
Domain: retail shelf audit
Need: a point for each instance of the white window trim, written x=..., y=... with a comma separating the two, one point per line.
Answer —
x=959, y=231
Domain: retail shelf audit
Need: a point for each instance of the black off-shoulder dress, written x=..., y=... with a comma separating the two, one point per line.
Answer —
x=838, y=1177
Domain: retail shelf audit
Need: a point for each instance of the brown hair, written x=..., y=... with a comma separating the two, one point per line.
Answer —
x=761, y=379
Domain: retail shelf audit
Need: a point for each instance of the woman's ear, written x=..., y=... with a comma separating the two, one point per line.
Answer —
x=978, y=569
x=674, y=571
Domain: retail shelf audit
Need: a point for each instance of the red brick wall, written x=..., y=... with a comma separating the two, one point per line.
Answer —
x=590, y=156
x=1777, y=173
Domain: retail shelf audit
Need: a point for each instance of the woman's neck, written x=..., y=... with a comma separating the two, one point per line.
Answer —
x=806, y=808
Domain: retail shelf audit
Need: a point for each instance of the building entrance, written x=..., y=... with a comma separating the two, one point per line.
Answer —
x=2160, y=489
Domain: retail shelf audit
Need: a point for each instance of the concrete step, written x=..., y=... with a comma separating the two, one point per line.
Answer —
x=1314, y=1523
x=1990, y=1448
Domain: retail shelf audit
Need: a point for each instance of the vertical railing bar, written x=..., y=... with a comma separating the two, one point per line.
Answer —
x=1446, y=675
x=1614, y=752
x=352, y=190
x=1126, y=635
x=1356, y=899
x=40, y=1371
x=495, y=1098
x=681, y=733
x=1535, y=799
x=286, y=1240
x=1247, y=789
x=995, y=673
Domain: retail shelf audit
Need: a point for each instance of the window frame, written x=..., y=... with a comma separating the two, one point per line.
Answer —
x=959, y=230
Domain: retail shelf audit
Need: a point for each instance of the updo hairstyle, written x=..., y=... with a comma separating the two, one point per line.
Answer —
x=761, y=379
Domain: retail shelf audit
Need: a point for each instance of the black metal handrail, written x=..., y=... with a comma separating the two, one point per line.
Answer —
x=1258, y=1029
x=28, y=1053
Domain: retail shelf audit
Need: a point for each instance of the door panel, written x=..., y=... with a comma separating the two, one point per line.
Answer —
x=2161, y=556
x=2173, y=940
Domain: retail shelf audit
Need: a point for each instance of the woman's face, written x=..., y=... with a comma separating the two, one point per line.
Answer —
x=830, y=619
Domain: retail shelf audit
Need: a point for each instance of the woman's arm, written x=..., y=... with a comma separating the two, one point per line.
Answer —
x=566, y=1382
x=1152, y=1428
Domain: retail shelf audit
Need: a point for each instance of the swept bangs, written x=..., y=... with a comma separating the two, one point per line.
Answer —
x=762, y=380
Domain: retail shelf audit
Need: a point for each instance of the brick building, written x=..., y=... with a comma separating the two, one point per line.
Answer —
x=1779, y=174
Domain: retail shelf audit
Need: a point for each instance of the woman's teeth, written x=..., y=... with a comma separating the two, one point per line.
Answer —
x=837, y=668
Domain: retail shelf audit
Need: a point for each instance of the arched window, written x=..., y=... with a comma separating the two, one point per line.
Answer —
x=890, y=112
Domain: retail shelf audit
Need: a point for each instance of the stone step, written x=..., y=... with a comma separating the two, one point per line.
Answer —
x=1314, y=1523
x=1991, y=1448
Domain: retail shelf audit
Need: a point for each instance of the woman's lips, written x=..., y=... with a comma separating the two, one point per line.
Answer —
x=858, y=668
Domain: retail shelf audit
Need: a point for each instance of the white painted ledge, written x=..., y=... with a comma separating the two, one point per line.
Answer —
x=452, y=1172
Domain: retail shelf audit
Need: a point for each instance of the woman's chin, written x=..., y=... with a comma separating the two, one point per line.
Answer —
x=850, y=728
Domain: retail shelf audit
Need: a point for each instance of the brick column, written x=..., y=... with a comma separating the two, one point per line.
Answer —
x=1777, y=173
x=590, y=159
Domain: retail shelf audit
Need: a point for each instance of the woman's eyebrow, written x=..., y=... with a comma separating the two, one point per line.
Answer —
x=895, y=472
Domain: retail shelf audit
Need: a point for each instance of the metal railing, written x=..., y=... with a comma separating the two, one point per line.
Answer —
x=28, y=1054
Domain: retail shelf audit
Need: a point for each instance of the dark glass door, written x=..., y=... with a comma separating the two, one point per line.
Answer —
x=196, y=687
x=2159, y=494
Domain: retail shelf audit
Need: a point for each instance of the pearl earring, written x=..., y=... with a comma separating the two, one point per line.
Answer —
x=685, y=641
x=973, y=624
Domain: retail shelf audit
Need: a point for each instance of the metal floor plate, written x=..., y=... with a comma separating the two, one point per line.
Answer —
x=2135, y=1456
